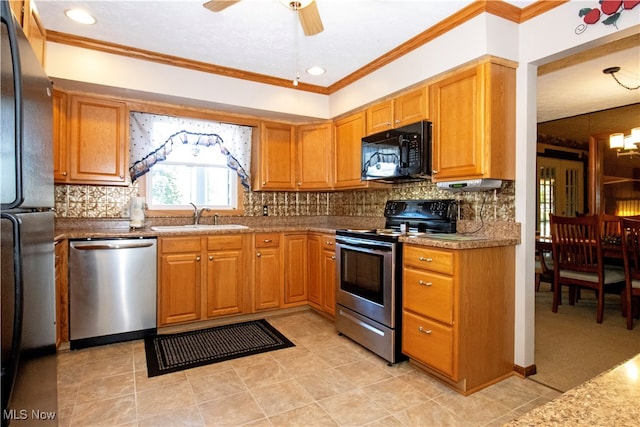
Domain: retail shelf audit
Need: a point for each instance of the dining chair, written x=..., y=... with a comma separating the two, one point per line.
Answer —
x=578, y=261
x=543, y=268
x=631, y=256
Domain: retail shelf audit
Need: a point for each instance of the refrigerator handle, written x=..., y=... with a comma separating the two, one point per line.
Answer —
x=16, y=339
x=8, y=19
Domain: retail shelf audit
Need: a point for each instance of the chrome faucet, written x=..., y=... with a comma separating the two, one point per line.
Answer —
x=197, y=213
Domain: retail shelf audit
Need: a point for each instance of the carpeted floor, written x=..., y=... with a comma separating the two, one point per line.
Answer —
x=571, y=347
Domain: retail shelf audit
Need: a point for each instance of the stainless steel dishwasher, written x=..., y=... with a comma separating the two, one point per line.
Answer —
x=112, y=290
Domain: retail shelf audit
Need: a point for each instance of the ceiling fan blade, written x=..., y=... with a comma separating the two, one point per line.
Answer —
x=218, y=5
x=310, y=19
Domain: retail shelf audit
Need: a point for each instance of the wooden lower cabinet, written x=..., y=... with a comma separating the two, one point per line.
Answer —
x=295, y=268
x=62, y=291
x=225, y=268
x=267, y=271
x=200, y=278
x=458, y=313
x=180, y=273
x=321, y=272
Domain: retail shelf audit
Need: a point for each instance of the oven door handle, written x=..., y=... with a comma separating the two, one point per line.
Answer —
x=358, y=244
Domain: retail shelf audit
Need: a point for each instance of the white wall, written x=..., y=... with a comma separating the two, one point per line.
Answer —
x=537, y=41
x=84, y=65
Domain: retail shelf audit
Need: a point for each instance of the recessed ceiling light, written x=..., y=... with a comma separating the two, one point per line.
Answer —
x=80, y=16
x=316, y=71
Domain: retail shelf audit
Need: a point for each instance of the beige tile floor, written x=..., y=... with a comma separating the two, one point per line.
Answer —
x=325, y=380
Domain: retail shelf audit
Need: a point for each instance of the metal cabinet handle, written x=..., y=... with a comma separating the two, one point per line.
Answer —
x=197, y=258
x=425, y=259
x=210, y=258
x=433, y=172
x=397, y=121
x=64, y=174
x=421, y=282
x=258, y=254
x=328, y=243
x=333, y=257
x=424, y=331
x=267, y=240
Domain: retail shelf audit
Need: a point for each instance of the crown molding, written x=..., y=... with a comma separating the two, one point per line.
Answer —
x=497, y=8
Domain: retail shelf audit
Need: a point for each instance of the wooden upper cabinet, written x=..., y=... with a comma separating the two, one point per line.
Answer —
x=473, y=114
x=274, y=159
x=405, y=109
x=60, y=137
x=314, y=156
x=380, y=117
x=98, y=141
x=410, y=108
x=348, y=133
x=28, y=18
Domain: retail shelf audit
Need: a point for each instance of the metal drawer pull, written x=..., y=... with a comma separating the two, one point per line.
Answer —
x=267, y=240
x=425, y=259
x=421, y=282
x=197, y=258
x=210, y=258
x=328, y=243
x=424, y=331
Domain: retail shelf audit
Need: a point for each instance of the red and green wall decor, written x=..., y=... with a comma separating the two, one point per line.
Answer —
x=608, y=12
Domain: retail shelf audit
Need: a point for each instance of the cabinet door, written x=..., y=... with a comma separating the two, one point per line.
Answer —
x=348, y=135
x=98, y=143
x=275, y=157
x=268, y=278
x=314, y=271
x=35, y=32
x=380, y=117
x=295, y=271
x=62, y=292
x=314, y=156
x=60, y=137
x=410, y=108
x=224, y=282
x=329, y=281
x=473, y=113
x=179, y=293
x=457, y=132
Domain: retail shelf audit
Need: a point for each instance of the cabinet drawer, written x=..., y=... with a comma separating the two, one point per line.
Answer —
x=179, y=244
x=267, y=240
x=328, y=242
x=429, y=259
x=429, y=294
x=224, y=242
x=429, y=343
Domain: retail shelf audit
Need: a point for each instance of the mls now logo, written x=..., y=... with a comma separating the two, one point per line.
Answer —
x=23, y=414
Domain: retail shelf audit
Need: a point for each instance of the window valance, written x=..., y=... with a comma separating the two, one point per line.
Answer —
x=153, y=137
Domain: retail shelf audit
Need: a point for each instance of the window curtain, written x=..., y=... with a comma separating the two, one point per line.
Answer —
x=153, y=137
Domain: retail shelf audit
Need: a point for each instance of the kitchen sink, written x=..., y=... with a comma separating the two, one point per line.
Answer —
x=188, y=227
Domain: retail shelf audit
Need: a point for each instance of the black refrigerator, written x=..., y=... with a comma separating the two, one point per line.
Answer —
x=29, y=379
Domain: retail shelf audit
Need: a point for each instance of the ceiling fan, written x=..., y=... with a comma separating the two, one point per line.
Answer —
x=307, y=12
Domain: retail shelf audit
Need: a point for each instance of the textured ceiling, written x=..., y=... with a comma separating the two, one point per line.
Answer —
x=264, y=37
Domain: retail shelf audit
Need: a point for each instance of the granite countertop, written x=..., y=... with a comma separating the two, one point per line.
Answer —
x=610, y=399
x=100, y=229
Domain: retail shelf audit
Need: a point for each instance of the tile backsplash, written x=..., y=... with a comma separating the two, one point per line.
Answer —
x=86, y=201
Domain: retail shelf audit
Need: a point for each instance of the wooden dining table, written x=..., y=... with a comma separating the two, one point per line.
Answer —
x=610, y=250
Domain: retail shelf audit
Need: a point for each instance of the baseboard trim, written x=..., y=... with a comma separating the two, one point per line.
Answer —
x=525, y=371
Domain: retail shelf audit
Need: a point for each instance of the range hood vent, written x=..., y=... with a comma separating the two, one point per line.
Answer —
x=471, y=185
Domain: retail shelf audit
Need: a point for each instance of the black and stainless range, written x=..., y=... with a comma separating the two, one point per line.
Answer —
x=369, y=270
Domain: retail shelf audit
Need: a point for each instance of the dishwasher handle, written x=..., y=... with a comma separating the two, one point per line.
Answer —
x=109, y=246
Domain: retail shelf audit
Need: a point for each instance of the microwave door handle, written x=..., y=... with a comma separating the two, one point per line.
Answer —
x=404, y=153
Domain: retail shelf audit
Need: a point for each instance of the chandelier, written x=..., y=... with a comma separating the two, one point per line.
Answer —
x=626, y=145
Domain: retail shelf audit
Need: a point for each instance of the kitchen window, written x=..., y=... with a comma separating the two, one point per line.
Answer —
x=182, y=161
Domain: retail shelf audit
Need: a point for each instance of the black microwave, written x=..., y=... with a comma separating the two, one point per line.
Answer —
x=401, y=154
